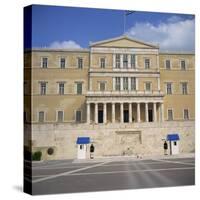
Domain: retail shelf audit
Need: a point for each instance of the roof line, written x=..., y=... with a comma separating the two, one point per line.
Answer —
x=121, y=37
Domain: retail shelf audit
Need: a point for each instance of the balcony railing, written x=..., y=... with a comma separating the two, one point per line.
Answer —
x=126, y=93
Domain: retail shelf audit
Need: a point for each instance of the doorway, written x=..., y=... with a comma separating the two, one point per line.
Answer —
x=150, y=115
x=126, y=116
x=100, y=116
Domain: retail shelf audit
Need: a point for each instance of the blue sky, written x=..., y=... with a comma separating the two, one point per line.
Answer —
x=68, y=27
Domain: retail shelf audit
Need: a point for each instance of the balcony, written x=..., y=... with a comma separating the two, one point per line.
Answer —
x=138, y=93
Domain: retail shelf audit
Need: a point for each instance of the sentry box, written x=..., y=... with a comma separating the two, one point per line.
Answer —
x=173, y=143
x=82, y=143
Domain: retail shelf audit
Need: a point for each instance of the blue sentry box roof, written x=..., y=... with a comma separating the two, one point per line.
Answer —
x=173, y=137
x=83, y=140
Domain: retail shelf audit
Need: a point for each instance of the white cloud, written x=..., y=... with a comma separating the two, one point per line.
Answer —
x=176, y=34
x=70, y=44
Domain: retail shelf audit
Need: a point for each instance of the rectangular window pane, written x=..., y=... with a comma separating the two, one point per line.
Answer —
x=147, y=63
x=169, y=88
x=43, y=88
x=102, y=86
x=168, y=64
x=80, y=63
x=44, y=62
x=133, y=83
x=41, y=116
x=183, y=65
x=62, y=63
x=170, y=115
x=117, y=83
x=148, y=86
x=102, y=62
x=61, y=88
x=117, y=61
x=125, y=83
x=184, y=88
x=186, y=114
x=133, y=61
x=125, y=61
x=78, y=116
x=79, y=88
x=60, y=116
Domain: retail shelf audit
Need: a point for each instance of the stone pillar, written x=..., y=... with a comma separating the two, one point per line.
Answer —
x=146, y=112
x=130, y=112
x=114, y=60
x=137, y=83
x=129, y=83
x=129, y=61
x=136, y=62
x=121, y=61
x=121, y=112
x=104, y=113
x=88, y=113
x=96, y=113
x=158, y=82
x=114, y=83
x=121, y=83
x=162, y=112
x=138, y=112
x=154, y=112
x=113, y=112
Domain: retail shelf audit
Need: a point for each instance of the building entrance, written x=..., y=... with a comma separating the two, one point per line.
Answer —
x=150, y=115
x=100, y=116
x=126, y=116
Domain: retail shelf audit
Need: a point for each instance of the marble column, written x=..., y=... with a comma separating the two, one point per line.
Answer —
x=154, y=113
x=113, y=112
x=130, y=112
x=138, y=112
x=88, y=113
x=104, y=113
x=146, y=112
x=121, y=112
x=96, y=113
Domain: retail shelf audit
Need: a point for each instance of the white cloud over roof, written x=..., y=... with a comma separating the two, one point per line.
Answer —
x=70, y=44
x=176, y=34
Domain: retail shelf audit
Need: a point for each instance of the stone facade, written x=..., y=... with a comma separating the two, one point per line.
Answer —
x=124, y=94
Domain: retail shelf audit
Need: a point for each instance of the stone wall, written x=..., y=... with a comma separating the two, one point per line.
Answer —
x=111, y=139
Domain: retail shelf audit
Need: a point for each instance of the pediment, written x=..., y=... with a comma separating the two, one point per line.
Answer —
x=123, y=42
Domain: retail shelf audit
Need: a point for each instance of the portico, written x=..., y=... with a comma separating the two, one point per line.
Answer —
x=124, y=112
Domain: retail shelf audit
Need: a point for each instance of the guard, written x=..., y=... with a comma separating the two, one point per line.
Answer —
x=92, y=151
x=165, y=147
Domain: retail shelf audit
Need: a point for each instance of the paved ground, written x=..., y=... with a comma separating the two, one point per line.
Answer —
x=66, y=176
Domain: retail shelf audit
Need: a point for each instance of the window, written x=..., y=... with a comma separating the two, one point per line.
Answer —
x=62, y=63
x=43, y=86
x=61, y=88
x=102, y=63
x=186, y=114
x=125, y=83
x=133, y=83
x=184, y=88
x=41, y=116
x=175, y=143
x=170, y=115
x=147, y=63
x=117, y=83
x=148, y=86
x=117, y=61
x=60, y=116
x=183, y=66
x=168, y=64
x=169, y=88
x=102, y=86
x=79, y=88
x=78, y=116
x=125, y=61
x=80, y=63
x=132, y=61
x=44, y=62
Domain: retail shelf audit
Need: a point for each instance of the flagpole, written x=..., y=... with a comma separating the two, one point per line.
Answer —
x=124, y=21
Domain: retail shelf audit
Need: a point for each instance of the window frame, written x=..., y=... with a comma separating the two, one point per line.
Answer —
x=77, y=116
x=59, y=88
x=43, y=92
x=60, y=63
x=170, y=66
x=133, y=66
x=182, y=88
x=117, y=86
x=79, y=83
x=78, y=62
x=185, y=68
x=100, y=83
x=171, y=88
x=188, y=115
x=42, y=62
x=145, y=63
x=125, y=61
x=102, y=64
x=117, y=61
x=145, y=86
x=44, y=118
x=172, y=114
x=57, y=116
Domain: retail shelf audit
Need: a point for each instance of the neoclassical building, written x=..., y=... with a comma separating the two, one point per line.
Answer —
x=123, y=95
